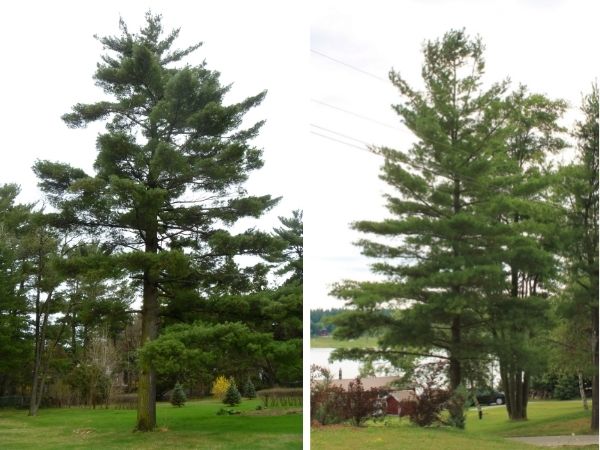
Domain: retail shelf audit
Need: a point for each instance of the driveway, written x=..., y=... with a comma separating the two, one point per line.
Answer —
x=558, y=441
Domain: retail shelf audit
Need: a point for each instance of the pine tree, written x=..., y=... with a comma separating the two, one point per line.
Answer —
x=433, y=252
x=518, y=312
x=232, y=396
x=15, y=333
x=249, y=391
x=178, y=396
x=168, y=177
x=579, y=192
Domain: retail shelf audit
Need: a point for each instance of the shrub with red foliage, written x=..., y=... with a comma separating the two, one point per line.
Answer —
x=431, y=399
x=327, y=402
x=407, y=407
x=360, y=404
x=330, y=404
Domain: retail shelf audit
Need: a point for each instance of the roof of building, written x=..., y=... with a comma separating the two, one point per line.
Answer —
x=403, y=395
x=368, y=383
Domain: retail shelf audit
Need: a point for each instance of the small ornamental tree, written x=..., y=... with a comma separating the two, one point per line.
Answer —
x=220, y=387
x=431, y=397
x=360, y=404
x=249, y=390
x=178, y=396
x=232, y=396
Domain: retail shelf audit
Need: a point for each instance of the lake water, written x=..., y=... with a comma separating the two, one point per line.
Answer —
x=320, y=357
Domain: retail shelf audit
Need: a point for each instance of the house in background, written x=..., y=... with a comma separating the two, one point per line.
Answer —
x=395, y=399
x=398, y=402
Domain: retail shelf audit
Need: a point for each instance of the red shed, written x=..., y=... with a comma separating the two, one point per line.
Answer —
x=396, y=398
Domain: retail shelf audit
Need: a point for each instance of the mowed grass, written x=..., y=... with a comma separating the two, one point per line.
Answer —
x=329, y=342
x=546, y=418
x=194, y=426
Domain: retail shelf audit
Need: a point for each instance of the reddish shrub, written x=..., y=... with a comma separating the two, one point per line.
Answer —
x=407, y=407
x=360, y=404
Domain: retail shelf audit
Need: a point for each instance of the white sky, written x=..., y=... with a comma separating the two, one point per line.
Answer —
x=549, y=45
x=49, y=56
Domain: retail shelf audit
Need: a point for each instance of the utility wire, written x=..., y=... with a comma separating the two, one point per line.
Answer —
x=372, y=75
x=364, y=149
x=364, y=72
x=352, y=113
x=339, y=134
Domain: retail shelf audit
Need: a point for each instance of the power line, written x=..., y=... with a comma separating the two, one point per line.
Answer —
x=339, y=134
x=372, y=75
x=358, y=69
x=364, y=149
x=354, y=114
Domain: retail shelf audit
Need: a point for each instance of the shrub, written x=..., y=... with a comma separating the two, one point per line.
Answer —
x=91, y=384
x=220, y=386
x=567, y=387
x=328, y=405
x=178, y=397
x=456, y=405
x=431, y=399
x=232, y=396
x=407, y=407
x=360, y=404
x=249, y=391
x=429, y=406
x=327, y=402
x=283, y=397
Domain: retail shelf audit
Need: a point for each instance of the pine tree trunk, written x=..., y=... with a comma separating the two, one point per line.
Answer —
x=38, y=354
x=582, y=391
x=594, y=424
x=518, y=411
x=146, y=413
x=455, y=369
x=525, y=394
x=505, y=385
x=39, y=372
x=516, y=389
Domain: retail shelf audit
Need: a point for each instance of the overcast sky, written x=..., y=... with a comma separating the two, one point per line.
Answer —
x=549, y=45
x=49, y=56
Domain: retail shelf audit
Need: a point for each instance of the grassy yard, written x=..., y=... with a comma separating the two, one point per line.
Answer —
x=329, y=342
x=194, y=426
x=546, y=418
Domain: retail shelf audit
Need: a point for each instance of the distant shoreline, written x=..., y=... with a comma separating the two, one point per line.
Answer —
x=329, y=342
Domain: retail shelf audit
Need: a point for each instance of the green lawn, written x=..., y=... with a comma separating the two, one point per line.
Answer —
x=194, y=426
x=329, y=342
x=546, y=418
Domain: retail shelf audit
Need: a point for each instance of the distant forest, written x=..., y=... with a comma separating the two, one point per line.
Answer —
x=319, y=322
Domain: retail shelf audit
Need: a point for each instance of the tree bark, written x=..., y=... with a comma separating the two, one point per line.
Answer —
x=455, y=367
x=582, y=391
x=146, y=412
x=38, y=384
x=37, y=358
x=594, y=423
x=516, y=389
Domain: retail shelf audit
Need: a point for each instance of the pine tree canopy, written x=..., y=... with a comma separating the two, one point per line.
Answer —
x=168, y=178
x=173, y=157
x=448, y=250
